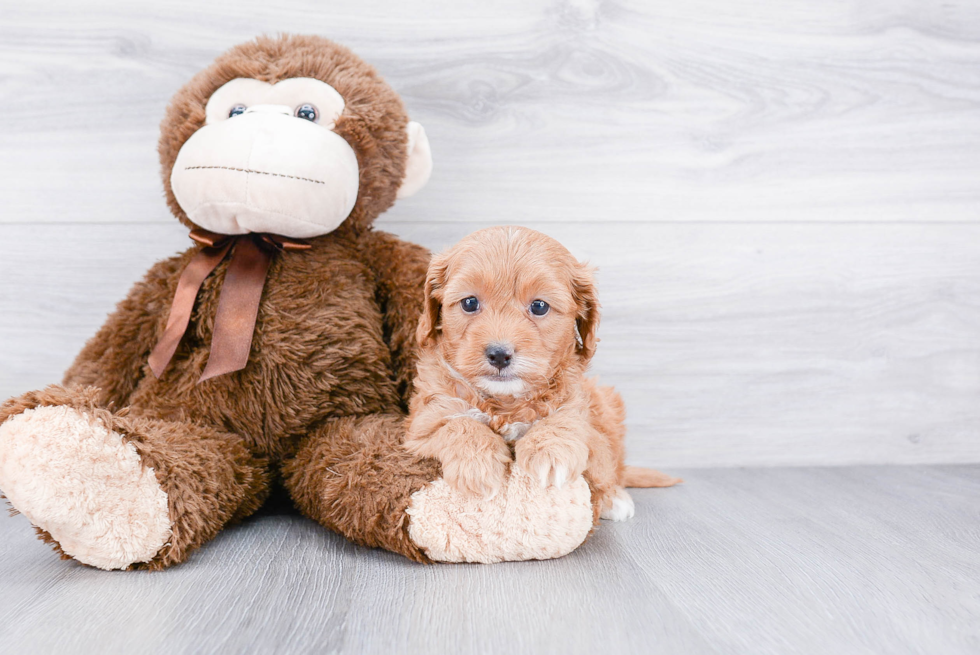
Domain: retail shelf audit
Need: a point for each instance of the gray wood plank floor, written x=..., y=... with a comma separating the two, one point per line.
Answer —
x=782, y=560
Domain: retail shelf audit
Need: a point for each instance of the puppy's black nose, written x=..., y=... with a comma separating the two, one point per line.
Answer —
x=498, y=355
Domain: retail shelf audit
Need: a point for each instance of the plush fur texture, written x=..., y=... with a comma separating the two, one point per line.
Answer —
x=332, y=356
x=466, y=406
x=209, y=477
x=85, y=485
x=521, y=522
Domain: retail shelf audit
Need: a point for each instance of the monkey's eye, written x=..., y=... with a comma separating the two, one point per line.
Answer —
x=307, y=112
x=470, y=304
x=539, y=307
x=237, y=110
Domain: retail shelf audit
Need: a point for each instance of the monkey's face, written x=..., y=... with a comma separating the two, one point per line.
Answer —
x=268, y=160
x=289, y=154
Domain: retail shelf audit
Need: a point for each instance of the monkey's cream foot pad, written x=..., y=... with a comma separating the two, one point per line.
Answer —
x=522, y=522
x=84, y=485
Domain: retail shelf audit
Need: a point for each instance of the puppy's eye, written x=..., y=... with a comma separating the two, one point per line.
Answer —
x=307, y=112
x=539, y=307
x=236, y=111
x=470, y=304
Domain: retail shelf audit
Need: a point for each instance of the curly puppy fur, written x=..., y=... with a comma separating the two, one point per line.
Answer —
x=469, y=402
x=333, y=352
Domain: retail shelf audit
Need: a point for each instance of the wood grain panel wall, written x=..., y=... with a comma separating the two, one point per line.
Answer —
x=782, y=198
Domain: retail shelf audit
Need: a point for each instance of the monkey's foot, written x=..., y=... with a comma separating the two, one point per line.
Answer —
x=83, y=485
x=521, y=522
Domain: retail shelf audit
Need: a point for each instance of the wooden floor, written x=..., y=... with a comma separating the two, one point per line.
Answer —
x=782, y=560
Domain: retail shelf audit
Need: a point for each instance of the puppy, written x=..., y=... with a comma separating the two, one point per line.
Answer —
x=507, y=332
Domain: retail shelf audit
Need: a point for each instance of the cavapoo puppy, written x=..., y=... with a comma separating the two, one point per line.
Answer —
x=508, y=329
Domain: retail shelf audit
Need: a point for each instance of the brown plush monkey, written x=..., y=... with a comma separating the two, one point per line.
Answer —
x=279, y=347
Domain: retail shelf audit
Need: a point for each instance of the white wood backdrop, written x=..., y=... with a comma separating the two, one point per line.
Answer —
x=782, y=197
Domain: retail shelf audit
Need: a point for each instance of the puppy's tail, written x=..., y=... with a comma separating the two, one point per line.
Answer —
x=636, y=476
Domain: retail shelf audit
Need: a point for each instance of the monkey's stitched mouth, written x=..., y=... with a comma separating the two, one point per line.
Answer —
x=249, y=170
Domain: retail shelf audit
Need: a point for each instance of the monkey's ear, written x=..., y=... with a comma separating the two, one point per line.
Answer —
x=587, y=315
x=435, y=281
x=418, y=167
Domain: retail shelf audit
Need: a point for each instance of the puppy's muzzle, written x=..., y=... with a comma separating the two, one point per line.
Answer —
x=499, y=355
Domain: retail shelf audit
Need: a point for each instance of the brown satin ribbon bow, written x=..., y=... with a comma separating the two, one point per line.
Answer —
x=238, y=304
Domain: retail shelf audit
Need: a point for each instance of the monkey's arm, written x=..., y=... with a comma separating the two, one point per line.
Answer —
x=400, y=268
x=114, y=359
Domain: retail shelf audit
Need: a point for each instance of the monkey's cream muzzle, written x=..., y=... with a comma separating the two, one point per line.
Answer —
x=266, y=171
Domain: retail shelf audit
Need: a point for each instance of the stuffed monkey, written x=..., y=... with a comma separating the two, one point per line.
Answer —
x=280, y=346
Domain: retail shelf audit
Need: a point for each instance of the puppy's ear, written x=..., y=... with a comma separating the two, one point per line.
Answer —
x=587, y=317
x=435, y=281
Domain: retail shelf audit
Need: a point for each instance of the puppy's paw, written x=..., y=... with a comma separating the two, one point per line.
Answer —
x=618, y=507
x=482, y=472
x=550, y=458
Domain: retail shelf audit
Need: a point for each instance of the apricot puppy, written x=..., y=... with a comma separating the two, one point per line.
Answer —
x=508, y=329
